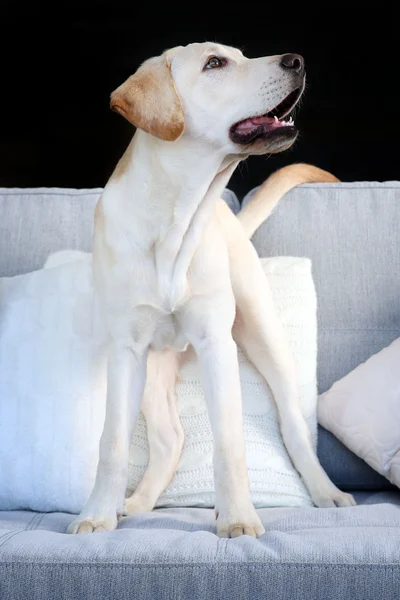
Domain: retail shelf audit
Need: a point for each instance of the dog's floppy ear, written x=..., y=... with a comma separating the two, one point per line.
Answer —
x=149, y=100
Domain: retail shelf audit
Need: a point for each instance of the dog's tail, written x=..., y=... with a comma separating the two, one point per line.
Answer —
x=274, y=188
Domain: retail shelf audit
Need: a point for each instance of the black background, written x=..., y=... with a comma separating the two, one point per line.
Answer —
x=59, y=67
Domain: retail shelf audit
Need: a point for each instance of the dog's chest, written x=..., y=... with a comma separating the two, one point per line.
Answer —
x=149, y=301
x=167, y=295
x=159, y=281
x=169, y=334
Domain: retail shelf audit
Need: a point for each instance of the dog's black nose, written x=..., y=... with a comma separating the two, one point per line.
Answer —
x=294, y=62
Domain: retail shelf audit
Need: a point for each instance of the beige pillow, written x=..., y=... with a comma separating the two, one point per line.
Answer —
x=363, y=411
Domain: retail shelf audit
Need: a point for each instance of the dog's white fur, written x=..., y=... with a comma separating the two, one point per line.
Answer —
x=173, y=267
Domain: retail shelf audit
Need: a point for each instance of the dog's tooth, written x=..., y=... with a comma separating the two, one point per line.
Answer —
x=276, y=119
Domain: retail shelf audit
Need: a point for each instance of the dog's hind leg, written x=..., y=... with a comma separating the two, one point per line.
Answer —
x=164, y=431
x=259, y=333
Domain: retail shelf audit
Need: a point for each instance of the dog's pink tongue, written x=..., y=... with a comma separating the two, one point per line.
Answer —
x=249, y=124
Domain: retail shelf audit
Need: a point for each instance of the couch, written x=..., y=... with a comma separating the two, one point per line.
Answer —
x=351, y=232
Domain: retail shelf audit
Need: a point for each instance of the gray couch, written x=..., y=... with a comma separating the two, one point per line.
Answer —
x=351, y=232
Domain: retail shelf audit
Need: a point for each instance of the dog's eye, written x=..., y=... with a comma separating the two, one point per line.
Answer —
x=214, y=62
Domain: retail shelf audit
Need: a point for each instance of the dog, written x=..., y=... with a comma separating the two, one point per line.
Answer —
x=174, y=268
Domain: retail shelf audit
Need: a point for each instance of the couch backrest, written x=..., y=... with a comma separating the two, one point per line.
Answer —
x=36, y=222
x=350, y=231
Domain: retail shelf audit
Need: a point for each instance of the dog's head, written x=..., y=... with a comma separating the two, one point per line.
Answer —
x=212, y=92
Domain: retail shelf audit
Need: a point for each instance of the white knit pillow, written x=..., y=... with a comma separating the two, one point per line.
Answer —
x=52, y=396
x=273, y=479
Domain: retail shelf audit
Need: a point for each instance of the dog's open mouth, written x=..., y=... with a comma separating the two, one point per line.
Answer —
x=271, y=124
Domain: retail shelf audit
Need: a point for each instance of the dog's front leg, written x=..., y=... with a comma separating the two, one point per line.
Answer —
x=212, y=340
x=126, y=375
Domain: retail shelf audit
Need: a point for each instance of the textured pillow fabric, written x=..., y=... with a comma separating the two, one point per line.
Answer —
x=363, y=411
x=52, y=395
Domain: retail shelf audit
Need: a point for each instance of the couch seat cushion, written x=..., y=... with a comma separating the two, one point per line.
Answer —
x=174, y=553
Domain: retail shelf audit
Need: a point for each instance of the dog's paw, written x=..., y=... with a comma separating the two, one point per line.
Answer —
x=92, y=525
x=233, y=530
x=243, y=523
x=135, y=504
x=333, y=498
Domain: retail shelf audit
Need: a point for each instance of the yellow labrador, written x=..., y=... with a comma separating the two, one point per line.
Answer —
x=173, y=267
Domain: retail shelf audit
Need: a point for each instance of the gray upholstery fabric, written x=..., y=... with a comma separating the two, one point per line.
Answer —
x=350, y=231
x=36, y=222
x=347, y=470
x=341, y=554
